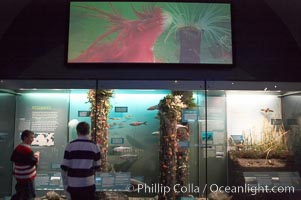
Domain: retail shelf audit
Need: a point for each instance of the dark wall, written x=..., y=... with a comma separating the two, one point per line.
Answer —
x=7, y=124
x=34, y=38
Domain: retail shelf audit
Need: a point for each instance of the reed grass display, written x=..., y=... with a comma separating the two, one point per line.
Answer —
x=273, y=141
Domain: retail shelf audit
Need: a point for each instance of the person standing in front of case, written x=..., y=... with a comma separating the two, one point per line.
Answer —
x=25, y=164
x=81, y=161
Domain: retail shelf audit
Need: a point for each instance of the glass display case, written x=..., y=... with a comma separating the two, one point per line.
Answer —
x=165, y=139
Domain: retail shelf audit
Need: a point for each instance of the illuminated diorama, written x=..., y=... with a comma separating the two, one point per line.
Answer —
x=158, y=142
x=148, y=32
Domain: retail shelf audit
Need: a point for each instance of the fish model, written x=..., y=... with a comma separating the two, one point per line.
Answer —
x=135, y=38
x=128, y=116
x=138, y=123
x=266, y=110
x=156, y=133
x=122, y=149
x=155, y=107
x=181, y=126
x=121, y=125
x=128, y=156
x=135, y=184
x=183, y=166
x=114, y=118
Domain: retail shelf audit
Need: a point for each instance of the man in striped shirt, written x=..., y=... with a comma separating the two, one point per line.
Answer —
x=81, y=160
x=25, y=162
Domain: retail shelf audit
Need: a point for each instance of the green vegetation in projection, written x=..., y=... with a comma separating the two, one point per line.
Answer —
x=150, y=32
x=200, y=31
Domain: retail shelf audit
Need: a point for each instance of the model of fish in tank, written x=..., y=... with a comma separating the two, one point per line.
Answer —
x=132, y=145
x=149, y=32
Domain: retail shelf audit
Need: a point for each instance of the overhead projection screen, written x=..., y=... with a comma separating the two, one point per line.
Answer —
x=150, y=32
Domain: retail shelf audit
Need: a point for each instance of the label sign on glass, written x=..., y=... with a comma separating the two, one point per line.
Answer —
x=84, y=113
x=121, y=109
x=117, y=140
x=189, y=115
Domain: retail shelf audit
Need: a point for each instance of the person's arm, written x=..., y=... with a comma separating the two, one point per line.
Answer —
x=97, y=160
x=13, y=156
x=64, y=179
x=37, y=156
x=64, y=170
x=64, y=176
x=24, y=155
x=33, y=158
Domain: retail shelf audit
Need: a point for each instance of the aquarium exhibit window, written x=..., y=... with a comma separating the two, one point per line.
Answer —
x=150, y=32
x=225, y=119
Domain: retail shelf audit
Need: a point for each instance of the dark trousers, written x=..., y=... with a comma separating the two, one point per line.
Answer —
x=24, y=191
x=82, y=193
x=83, y=196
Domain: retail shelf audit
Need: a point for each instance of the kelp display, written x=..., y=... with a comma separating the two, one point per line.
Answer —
x=173, y=160
x=100, y=107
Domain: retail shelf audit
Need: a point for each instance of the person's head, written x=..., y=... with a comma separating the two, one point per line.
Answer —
x=83, y=128
x=27, y=136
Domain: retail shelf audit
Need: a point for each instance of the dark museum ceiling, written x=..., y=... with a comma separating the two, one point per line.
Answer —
x=288, y=11
x=267, y=35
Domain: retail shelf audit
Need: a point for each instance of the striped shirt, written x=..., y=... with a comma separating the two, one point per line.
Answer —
x=25, y=163
x=81, y=159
